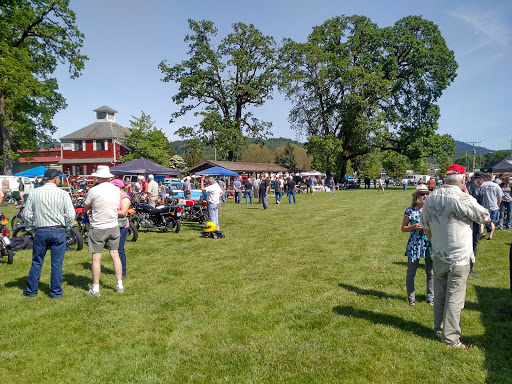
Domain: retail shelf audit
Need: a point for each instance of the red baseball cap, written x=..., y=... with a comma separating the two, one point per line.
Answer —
x=456, y=169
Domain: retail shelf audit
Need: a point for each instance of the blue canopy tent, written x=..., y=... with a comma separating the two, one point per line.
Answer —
x=34, y=172
x=217, y=171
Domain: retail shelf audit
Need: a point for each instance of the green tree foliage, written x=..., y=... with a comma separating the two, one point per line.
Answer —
x=303, y=159
x=361, y=87
x=239, y=73
x=444, y=162
x=419, y=166
x=145, y=140
x=35, y=36
x=371, y=165
x=395, y=164
x=286, y=154
x=494, y=157
x=323, y=149
x=193, y=152
x=258, y=154
x=177, y=162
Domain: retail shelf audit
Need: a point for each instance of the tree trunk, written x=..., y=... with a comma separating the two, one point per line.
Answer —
x=343, y=168
x=6, y=139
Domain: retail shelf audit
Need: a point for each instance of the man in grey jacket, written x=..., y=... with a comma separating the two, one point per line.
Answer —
x=446, y=220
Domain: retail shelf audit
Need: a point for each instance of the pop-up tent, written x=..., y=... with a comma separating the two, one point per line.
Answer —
x=143, y=166
x=34, y=172
x=217, y=171
x=503, y=166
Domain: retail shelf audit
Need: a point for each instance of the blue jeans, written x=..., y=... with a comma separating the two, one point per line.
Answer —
x=53, y=239
x=238, y=197
x=278, y=196
x=248, y=195
x=213, y=213
x=122, y=254
x=265, y=201
x=223, y=197
x=505, y=206
x=290, y=194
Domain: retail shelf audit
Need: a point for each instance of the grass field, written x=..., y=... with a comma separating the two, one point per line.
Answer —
x=306, y=293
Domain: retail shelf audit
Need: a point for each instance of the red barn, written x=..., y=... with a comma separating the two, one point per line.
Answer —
x=100, y=143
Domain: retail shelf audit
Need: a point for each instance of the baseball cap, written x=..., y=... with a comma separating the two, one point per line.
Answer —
x=52, y=174
x=118, y=183
x=479, y=175
x=455, y=169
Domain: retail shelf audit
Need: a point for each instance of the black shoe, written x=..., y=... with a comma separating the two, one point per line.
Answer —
x=27, y=294
x=471, y=272
x=489, y=238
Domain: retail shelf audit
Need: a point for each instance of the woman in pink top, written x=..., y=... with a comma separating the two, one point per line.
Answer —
x=124, y=224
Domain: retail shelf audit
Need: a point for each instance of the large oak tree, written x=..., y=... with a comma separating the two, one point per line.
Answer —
x=356, y=87
x=35, y=37
x=221, y=82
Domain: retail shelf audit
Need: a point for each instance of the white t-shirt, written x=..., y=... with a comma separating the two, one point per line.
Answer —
x=214, y=192
x=104, y=199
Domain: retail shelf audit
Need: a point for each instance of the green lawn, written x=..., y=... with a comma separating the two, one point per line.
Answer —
x=306, y=293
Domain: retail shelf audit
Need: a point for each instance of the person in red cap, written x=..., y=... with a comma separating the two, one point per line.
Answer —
x=446, y=221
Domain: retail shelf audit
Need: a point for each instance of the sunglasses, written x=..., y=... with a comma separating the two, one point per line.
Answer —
x=424, y=193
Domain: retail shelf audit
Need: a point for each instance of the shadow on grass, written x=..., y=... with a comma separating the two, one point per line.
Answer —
x=21, y=283
x=380, y=318
x=104, y=269
x=77, y=281
x=497, y=338
x=371, y=292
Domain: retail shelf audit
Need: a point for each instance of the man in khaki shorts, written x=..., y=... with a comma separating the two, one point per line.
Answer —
x=103, y=201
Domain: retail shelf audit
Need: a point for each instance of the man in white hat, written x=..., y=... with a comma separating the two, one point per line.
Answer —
x=103, y=201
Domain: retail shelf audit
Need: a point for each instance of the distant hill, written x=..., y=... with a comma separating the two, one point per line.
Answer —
x=272, y=144
x=461, y=146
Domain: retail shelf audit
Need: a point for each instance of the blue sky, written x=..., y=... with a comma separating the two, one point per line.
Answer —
x=125, y=41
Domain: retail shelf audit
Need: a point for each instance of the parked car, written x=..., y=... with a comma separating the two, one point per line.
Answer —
x=176, y=187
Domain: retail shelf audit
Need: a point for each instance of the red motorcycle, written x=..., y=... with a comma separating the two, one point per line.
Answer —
x=195, y=211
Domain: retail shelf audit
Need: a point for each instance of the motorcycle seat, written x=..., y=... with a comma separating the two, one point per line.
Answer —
x=160, y=209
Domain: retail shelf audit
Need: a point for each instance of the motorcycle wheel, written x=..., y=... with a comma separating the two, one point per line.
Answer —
x=74, y=241
x=135, y=220
x=16, y=221
x=174, y=225
x=10, y=256
x=133, y=233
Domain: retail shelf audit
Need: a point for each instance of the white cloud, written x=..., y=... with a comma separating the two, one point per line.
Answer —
x=489, y=25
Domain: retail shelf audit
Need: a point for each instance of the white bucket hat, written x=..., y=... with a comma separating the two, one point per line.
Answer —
x=103, y=172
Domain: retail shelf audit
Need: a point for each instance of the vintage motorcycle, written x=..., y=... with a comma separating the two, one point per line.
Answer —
x=5, y=242
x=163, y=217
x=17, y=219
x=195, y=211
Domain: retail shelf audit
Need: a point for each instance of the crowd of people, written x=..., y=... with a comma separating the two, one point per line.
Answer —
x=445, y=226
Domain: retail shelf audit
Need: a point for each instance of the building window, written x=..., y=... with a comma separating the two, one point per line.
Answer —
x=100, y=145
x=78, y=170
x=79, y=146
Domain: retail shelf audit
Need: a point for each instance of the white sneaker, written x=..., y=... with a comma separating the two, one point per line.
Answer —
x=90, y=292
x=119, y=290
